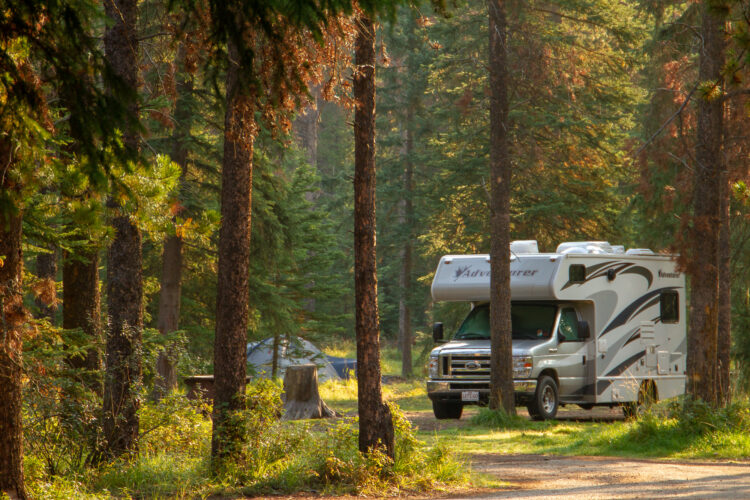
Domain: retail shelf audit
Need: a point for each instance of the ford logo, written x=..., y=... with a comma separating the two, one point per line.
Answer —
x=473, y=365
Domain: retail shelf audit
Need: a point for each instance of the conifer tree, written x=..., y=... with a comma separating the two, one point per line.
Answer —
x=502, y=393
x=124, y=257
x=707, y=218
x=375, y=420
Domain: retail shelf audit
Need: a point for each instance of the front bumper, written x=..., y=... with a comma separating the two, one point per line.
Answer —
x=450, y=390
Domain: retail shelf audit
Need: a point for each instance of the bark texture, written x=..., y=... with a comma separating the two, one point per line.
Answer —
x=306, y=129
x=234, y=261
x=723, y=382
x=11, y=358
x=501, y=374
x=406, y=217
x=375, y=421
x=81, y=309
x=302, y=399
x=704, y=235
x=46, y=269
x=171, y=272
x=124, y=274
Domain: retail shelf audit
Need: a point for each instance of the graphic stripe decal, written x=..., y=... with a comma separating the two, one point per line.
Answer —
x=642, y=271
x=619, y=369
x=630, y=311
x=653, y=302
x=601, y=269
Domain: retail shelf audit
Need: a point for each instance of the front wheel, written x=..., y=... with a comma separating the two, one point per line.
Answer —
x=545, y=403
x=445, y=410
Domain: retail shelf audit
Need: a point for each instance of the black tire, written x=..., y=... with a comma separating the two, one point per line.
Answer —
x=546, y=401
x=447, y=410
x=646, y=398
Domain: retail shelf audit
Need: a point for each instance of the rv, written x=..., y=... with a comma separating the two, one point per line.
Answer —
x=592, y=324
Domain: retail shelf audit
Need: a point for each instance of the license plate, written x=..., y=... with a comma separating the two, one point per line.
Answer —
x=469, y=395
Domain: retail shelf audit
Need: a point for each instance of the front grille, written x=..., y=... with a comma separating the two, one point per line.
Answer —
x=460, y=386
x=465, y=366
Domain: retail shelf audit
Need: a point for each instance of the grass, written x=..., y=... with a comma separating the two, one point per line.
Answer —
x=660, y=434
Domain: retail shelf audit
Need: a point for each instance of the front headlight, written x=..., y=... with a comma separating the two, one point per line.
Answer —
x=522, y=366
x=433, y=367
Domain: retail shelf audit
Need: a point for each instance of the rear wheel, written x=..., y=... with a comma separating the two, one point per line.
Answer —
x=545, y=402
x=445, y=409
x=646, y=398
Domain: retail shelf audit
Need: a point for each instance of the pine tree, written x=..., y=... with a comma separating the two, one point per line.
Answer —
x=502, y=394
x=375, y=420
x=707, y=217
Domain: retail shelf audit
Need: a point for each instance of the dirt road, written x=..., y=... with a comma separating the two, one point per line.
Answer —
x=559, y=478
x=540, y=477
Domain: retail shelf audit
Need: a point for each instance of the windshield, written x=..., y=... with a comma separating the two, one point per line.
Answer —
x=529, y=321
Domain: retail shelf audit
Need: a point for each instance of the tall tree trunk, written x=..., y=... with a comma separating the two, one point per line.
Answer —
x=406, y=217
x=725, y=297
x=46, y=269
x=124, y=260
x=81, y=309
x=704, y=234
x=501, y=375
x=375, y=421
x=171, y=271
x=234, y=262
x=306, y=128
x=12, y=318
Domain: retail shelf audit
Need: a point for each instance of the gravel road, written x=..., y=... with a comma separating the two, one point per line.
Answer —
x=548, y=477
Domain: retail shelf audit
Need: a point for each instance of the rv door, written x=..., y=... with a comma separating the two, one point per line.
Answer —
x=572, y=357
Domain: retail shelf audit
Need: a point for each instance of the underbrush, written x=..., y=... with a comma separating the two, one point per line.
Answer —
x=277, y=457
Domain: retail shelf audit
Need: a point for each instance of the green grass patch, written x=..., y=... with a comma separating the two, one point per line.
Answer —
x=677, y=431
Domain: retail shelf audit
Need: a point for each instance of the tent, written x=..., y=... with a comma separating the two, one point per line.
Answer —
x=295, y=351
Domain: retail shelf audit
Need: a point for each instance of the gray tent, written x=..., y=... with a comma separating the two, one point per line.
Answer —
x=292, y=351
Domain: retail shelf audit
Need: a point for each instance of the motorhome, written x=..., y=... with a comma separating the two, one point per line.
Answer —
x=592, y=324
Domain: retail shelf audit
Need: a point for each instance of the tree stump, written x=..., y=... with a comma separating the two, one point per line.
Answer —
x=302, y=399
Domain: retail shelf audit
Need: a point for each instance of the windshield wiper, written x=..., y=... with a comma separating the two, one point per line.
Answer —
x=472, y=336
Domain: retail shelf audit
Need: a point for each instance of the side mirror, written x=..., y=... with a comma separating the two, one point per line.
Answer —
x=437, y=333
x=583, y=330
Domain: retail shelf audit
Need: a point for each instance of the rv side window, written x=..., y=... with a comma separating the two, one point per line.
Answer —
x=568, y=324
x=577, y=273
x=669, y=303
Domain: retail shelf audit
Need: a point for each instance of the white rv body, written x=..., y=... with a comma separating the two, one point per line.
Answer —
x=621, y=296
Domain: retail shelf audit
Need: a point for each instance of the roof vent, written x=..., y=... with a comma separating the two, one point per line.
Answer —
x=640, y=251
x=524, y=246
x=590, y=247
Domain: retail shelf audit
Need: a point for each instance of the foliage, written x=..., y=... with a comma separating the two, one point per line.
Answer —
x=277, y=457
x=61, y=414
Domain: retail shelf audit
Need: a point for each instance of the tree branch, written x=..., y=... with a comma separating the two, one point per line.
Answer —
x=666, y=123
